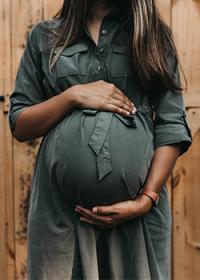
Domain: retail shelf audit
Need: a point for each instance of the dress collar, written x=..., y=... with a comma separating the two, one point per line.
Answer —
x=115, y=15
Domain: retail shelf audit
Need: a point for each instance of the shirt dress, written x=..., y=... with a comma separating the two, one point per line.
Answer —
x=93, y=157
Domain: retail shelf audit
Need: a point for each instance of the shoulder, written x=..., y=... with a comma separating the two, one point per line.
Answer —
x=40, y=34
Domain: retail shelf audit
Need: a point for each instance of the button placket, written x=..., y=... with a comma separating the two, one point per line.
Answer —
x=100, y=52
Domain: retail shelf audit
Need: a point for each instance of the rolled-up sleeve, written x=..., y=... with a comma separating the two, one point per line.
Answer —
x=170, y=122
x=28, y=89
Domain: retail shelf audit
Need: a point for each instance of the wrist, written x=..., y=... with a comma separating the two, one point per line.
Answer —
x=76, y=95
x=154, y=196
x=145, y=203
x=72, y=94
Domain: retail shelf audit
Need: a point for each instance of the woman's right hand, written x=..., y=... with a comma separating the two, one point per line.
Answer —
x=103, y=96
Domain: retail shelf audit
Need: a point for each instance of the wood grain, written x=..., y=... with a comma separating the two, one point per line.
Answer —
x=29, y=13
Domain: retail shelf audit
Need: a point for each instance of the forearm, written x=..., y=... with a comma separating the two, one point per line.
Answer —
x=36, y=120
x=161, y=166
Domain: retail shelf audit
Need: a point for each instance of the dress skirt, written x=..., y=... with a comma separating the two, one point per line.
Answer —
x=137, y=249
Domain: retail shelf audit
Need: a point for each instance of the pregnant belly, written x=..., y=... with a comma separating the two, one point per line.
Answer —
x=99, y=158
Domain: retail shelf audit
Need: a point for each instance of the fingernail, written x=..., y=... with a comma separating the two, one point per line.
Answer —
x=94, y=209
x=128, y=113
x=134, y=110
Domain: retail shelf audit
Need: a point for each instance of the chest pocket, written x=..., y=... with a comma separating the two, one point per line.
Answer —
x=72, y=60
x=71, y=66
x=121, y=67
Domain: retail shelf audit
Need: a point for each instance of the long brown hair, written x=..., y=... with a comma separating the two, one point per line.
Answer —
x=154, y=51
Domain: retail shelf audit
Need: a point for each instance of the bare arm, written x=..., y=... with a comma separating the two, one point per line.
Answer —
x=36, y=120
x=161, y=166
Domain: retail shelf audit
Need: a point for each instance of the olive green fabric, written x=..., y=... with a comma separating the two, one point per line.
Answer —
x=93, y=157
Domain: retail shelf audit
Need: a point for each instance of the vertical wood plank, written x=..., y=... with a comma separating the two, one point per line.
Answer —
x=186, y=219
x=7, y=252
x=186, y=229
x=185, y=23
x=2, y=170
x=10, y=246
x=29, y=13
x=2, y=199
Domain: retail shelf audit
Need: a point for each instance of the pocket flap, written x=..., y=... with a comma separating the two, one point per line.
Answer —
x=72, y=49
x=90, y=111
x=128, y=121
x=121, y=49
x=69, y=61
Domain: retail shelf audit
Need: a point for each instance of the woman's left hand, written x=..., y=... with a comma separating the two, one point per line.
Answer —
x=115, y=214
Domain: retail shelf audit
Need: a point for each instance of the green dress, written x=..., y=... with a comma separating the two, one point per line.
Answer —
x=93, y=157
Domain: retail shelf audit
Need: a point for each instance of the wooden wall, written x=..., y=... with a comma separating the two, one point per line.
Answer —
x=17, y=159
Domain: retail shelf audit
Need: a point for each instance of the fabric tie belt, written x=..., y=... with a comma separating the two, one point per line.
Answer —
x=99, y=140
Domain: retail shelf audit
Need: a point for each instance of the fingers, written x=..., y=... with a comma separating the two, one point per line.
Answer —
x=88, y=220
x=99, y=225
x=104, y=210
x=123, y=107
x=92, y=216
x=119, y=99
x=119, y=95
x=105, y=216
x=116, y=109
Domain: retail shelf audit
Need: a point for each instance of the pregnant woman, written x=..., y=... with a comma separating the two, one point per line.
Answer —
x=100, y=83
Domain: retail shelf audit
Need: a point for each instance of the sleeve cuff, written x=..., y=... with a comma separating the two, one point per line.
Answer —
x=12, y=118
x=173, y=133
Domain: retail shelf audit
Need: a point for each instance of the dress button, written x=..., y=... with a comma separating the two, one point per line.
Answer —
x=99, y=68
x=104, y=31
x=101, y=50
